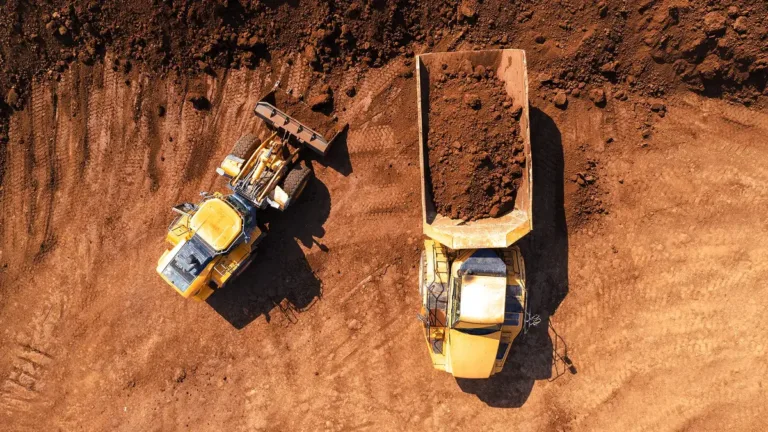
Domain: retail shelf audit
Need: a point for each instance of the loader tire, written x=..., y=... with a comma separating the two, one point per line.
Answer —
x=296, y=180
x=245, y=146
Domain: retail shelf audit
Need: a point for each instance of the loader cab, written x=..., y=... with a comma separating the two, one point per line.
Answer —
x=203, y=232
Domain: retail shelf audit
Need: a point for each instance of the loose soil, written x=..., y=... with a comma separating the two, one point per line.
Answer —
x=322, y=123
x=474, y=148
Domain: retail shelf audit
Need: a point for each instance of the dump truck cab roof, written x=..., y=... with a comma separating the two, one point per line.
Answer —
x=480, y=284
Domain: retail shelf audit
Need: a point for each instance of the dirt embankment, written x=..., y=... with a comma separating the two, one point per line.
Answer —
x=475, y=148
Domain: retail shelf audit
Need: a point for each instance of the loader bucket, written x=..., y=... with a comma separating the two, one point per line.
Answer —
x=500, y=232
x=281, y=111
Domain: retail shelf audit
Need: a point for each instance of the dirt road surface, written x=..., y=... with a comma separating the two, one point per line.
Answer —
x=647, y=258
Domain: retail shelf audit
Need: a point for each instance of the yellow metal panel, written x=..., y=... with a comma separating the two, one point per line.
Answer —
x=482, y=299
x=472, y=356
x=217, y=223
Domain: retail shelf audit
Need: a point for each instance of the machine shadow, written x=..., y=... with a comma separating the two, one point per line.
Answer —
x=545, y=251
x=280, y=276
x=337, y=157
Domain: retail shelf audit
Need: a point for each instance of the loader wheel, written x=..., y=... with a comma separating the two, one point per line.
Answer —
x=296, y=180
x=245, y=146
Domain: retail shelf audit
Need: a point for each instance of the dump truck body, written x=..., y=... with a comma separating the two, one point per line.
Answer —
x=472, y=279
x=510, y=67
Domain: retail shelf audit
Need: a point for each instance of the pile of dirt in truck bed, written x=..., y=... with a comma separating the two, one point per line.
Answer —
x=475, y=148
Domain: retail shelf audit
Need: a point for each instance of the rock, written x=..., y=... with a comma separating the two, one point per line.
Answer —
x=468, y=8
x=320, y=101
x=740, y=25
x=516, y=110
x=456, y=145
x=351, y=92
x=540, y=39
x=597, y=96
x=472, y=100
x=561, y=100
x=12, y=98
x=179, y=374
x=354, y=324
x=620, y=95
x=609, y=68
x=466, y=67
x=733, y=11
x=495, y=211
x=602, y=9
x=658, y=106
x=714, y=23
x=63, y=31
x=710, y=68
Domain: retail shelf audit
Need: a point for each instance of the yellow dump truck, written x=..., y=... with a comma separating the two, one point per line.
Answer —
x=215, y=240
x=472, y=279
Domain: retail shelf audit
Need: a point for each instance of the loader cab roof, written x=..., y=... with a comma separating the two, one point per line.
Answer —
x=217, y=223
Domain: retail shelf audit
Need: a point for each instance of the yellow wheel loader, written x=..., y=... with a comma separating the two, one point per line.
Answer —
x=214, y=240
x=472, y=279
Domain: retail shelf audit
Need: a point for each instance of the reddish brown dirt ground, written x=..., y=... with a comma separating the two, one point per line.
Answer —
x=647, y=255
x=475, y=149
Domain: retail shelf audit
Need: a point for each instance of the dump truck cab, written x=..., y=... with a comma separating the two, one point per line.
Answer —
x=211, y=241
x=473, y=307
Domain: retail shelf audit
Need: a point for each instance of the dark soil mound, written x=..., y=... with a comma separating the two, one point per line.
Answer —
x=475, y=149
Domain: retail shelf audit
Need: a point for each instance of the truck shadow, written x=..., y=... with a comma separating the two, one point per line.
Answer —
x=280, y=278
x=545, y=251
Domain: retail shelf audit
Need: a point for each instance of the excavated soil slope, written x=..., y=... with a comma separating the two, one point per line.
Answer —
x=475, y=149
x=645, y=263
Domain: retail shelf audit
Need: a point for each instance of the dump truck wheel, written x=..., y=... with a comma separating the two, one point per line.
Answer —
x=245, y=146
x=296, y=180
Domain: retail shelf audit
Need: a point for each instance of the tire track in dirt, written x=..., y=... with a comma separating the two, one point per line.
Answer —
x=23, y=388
x=299, y=76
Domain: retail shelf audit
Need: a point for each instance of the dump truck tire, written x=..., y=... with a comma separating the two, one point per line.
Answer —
x=245, y=146
x=296, y=180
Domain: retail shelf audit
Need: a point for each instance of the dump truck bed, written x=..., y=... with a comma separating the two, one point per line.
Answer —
x=510, y=67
